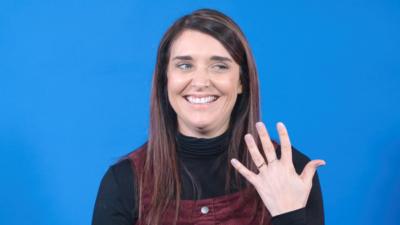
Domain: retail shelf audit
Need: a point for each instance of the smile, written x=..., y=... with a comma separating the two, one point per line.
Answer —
x=201, y=100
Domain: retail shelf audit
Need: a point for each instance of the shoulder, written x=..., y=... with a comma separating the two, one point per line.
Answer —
x=138, y=154
x=122, y=171
x=122, y=174
x=117, y=182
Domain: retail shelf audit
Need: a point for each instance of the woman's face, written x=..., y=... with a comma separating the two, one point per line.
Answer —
x=203, y=84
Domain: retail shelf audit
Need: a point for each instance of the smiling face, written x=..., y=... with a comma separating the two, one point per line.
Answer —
x=203, y=84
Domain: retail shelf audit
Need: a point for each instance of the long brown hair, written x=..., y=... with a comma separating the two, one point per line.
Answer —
x=160, y=165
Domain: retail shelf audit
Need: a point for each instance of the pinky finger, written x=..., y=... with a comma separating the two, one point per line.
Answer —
x=249, y=175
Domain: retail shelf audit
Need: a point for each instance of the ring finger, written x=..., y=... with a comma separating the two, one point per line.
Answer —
x=258, y=159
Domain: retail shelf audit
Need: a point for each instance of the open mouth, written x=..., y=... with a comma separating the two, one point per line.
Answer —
x=201, y=100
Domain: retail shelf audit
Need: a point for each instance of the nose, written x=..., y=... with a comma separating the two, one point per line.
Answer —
x=200, y=79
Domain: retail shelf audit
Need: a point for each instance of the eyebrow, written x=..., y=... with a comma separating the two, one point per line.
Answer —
x=220, y=58
x=213, y=58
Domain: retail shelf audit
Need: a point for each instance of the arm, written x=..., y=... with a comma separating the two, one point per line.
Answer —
x=115, y=199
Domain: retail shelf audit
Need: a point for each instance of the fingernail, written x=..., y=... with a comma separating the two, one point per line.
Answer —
x=233, y=161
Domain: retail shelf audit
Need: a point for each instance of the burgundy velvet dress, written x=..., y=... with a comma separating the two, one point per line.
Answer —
x=233, y=209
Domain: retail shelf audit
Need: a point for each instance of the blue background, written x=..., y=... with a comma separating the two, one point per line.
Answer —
x=75, y=83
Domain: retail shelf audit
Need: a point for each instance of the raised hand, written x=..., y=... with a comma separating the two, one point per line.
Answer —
x=279, y=186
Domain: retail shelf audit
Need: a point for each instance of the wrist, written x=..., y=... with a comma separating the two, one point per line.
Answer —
x=283, y=210
x=295, y=217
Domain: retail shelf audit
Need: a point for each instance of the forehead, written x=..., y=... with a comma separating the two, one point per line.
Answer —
x=197, y=44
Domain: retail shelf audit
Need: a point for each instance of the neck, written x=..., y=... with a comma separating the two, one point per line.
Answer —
x=189, y=146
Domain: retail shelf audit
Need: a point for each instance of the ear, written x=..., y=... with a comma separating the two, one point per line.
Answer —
x=240, y=88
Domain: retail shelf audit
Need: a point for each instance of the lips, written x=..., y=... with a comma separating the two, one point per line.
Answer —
x=201, y=100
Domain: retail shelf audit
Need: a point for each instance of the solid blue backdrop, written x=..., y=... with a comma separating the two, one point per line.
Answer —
x=76, y=77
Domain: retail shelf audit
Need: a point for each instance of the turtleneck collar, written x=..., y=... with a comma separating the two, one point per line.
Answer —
x=193, y=147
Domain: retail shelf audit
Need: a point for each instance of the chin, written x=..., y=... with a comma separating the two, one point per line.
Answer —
x=202, y=126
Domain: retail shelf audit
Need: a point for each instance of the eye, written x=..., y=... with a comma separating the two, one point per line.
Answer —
x=220, y=67
x=184, y=66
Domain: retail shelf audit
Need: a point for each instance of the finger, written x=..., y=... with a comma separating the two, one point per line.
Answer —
x=309, y=170
x=249, y=175
x=253, y=149
x=266, y=143
x=286, y=146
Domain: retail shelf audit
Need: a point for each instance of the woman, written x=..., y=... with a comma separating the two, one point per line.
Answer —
x=208, y=160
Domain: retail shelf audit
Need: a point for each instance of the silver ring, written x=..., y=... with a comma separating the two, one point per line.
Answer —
x=262, y=164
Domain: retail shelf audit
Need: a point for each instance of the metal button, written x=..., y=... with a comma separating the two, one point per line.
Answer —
x=204, y=210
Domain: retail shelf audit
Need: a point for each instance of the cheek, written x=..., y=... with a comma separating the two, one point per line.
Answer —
x=229, y=87
x=230, y=82
x=174, y=84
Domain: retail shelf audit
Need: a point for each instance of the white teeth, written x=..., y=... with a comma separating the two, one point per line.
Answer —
x=203, y=100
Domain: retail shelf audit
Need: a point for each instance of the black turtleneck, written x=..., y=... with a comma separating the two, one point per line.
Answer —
x=202, y=160
x=203, y=165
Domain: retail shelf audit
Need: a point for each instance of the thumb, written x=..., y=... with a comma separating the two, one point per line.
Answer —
x=310, y=168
